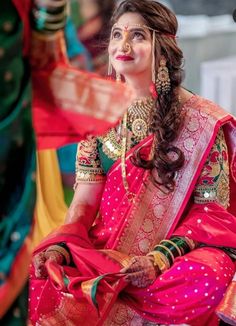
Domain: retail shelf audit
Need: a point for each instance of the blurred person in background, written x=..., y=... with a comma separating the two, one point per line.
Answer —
x=90, y=18
x=93, y=30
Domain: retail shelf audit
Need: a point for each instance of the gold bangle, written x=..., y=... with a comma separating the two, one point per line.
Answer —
x=168, y=250
x=163, y=265
x=174, y=245
x=191, y=243
x=62, y=251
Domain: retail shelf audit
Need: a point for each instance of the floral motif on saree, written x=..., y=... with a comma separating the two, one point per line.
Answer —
x=213, y=184
x=88, y=167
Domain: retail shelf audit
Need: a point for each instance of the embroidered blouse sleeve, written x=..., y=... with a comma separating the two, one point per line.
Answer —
x=213, y=183
x=88, y=166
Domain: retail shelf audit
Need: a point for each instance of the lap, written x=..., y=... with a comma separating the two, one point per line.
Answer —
x=190, y=290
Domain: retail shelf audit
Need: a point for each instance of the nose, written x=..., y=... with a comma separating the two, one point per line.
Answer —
x=126, y=47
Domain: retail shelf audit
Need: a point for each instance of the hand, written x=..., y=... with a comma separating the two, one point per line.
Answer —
x=141, y=272
x=40, y=259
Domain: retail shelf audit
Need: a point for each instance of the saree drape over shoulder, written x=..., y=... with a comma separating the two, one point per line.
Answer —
x=93, y=291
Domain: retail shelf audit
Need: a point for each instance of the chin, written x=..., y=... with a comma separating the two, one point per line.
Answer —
x=128, y=72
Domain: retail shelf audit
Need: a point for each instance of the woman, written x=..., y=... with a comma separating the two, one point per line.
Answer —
x=149, y=235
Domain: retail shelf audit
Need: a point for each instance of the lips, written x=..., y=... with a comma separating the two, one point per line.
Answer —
x=124, y=58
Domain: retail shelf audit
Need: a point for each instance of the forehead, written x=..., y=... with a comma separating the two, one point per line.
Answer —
x=130, y=19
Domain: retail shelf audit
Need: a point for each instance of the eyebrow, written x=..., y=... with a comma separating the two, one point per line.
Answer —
x=136, y=29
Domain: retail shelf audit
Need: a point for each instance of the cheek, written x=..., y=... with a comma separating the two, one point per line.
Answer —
x=144, y=53
x=112, y=52
x=111, y=49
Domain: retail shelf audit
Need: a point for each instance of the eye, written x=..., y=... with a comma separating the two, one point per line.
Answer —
x=116, y=34
x=138, y=36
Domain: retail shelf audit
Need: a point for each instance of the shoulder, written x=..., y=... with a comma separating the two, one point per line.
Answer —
x=207, y=109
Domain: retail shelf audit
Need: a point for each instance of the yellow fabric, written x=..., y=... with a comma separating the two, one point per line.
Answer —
x=50, y=208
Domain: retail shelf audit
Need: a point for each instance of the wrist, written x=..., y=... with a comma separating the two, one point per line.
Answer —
x=160, y=263
x=57, y=250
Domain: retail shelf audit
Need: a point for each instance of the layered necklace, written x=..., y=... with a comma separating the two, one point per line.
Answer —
x=137, y=121
x=115, y=142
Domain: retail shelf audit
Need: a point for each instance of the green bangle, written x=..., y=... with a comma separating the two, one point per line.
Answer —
x=172, y=246
x=182, y=244
x=166, y=251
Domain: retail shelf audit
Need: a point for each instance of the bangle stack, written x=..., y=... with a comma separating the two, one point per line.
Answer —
x=60, y=249
x=167, y=250
x=49, y=16
x=160, y=261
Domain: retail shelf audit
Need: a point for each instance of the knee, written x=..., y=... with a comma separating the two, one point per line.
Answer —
x=211, y=272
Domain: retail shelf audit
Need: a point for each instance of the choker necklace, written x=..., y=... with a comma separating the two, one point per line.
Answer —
x=137, y=120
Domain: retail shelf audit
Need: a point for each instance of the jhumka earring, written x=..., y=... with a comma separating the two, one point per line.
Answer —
x=152, y=88
x=110, y=69
x=118, y=77
x=163, y=78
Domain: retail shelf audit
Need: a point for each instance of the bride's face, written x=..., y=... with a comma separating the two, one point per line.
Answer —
x=130, y=47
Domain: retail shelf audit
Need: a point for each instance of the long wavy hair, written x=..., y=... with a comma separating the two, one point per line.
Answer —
x=167, y=117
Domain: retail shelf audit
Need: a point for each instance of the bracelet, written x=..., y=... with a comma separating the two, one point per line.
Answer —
x=176, y=248
x=159, y=260
x=182, y=244
x=191, y=243
x=62, y=251
x=165, y=249
x=50, y=16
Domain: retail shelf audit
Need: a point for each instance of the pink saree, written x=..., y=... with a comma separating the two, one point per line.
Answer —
x=93, y=291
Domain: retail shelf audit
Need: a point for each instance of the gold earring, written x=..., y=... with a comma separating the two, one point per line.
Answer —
x=163, y=78
x=118, y=77
x=109, y=68
x=152, y=87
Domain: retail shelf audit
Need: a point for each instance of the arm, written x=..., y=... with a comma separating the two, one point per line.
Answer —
x=90, y=180
x=89, y=184
x=85, y=204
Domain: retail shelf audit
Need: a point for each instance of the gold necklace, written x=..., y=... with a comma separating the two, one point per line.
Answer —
x=115, y=146
x=110, y=144
x=130, y=195
x=139, y=117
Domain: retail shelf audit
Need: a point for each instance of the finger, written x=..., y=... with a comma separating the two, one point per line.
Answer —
x=41, y=272
x=128, y=268
x=135, y=267
x=140, y=282
x=39, y=259
x=134, y=276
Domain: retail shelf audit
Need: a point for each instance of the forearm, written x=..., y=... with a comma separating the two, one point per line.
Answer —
x=47, y=41
x=85, y=204
x=81, y=212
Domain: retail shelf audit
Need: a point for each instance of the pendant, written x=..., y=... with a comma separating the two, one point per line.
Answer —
x=139, y=128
